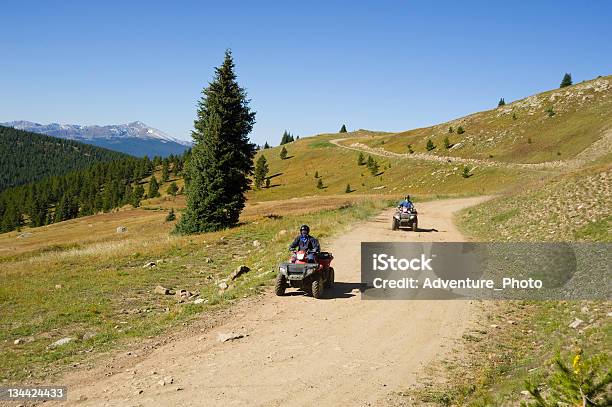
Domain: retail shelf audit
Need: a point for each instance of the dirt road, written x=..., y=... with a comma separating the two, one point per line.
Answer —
x=297, y=350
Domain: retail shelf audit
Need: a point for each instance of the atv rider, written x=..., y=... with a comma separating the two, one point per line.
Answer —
x=405, y=203
x=307, y=243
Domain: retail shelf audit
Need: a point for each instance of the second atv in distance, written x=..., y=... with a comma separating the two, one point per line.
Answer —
x=405, y=218
x=313, y=278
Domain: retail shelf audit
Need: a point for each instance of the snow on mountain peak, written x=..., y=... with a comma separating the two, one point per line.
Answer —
x=136, y=129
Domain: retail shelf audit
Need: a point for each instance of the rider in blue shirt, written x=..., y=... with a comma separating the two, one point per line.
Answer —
x=406, y=202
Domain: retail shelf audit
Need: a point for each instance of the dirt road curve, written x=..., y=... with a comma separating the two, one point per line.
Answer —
x=301, y=351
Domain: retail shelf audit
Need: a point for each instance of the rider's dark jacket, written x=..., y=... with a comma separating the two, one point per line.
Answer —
x=305, y=243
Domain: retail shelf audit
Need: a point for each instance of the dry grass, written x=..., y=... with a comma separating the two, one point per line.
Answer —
x=94, y=281
x=519, y=132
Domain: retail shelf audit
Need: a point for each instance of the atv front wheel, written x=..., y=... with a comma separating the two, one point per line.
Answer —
x=317, y=287
x=414, y=226
x=394, y=224
x=330, y=278
x=281, y=285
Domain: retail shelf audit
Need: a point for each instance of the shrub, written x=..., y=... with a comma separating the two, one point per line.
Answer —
x=585, y=383
x=430, y=145
x=171, y=215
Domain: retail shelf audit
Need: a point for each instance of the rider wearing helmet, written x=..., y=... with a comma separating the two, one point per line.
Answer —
x=406, y=202
x=306, y=243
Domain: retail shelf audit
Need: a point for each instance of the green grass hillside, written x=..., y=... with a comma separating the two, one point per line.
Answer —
x=337, y=166
x=549, y=126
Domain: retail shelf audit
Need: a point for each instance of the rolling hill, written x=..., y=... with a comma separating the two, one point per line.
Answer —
x=28, y=157
x=547, y=127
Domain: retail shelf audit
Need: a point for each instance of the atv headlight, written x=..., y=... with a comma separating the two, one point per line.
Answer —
x=411, y=216
x=282, y=269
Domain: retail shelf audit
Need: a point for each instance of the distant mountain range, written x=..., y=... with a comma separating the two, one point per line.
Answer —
x=134, y=138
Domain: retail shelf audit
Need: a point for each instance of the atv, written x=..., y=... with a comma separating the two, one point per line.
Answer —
x=312, y=278
x=405, y=218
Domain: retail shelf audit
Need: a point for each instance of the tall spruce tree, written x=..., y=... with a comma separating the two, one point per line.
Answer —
x=221, y=159
x=566, y=81
x=343, y=129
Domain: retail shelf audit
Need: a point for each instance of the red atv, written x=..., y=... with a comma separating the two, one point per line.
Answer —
x=311, y=277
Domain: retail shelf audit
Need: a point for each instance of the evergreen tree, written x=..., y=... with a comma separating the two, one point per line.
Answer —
x=370, y=161
x=320, y=183
x=410, y=150
x=374, y=167
x=137, y=194
x=283, y=153
x=286, y=138
x=450, y=129
x=460, y=130
x=266, y=146
x=172, y=189
x=316, y=174
x=165, y=171
x=153, y=188
x=343, y=129
x=447, y=143
x=127, y=194
x=466, y=172
x=501, y=102
x=361, y=159
x=430, y=145
x=261, y=171
x=12, y=218
x=566, y=81
x=221, y=159
x=267, y=182
x=348, y=189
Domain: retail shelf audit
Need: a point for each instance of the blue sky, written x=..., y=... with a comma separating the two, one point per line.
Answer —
x=307, y=66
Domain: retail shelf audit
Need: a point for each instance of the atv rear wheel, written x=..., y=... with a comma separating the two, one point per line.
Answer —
x=317, y=287
x=281, y=285
x=330, y=278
